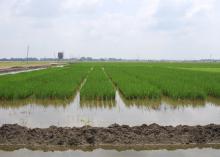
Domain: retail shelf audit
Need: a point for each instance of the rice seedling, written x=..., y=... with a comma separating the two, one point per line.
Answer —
x=97, y=86
x=131, y=86
x=134, y=81
x=151, y=80
x=53, y=83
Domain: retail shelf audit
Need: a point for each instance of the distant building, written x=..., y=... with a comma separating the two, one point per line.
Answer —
x=60, y=55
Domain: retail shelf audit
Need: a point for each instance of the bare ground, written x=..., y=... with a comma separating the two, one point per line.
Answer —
x=25, y=68
x=16, y=69
x=114, y=135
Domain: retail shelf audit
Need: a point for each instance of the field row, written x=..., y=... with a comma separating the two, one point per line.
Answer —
x=97, y=86
x=58, y=83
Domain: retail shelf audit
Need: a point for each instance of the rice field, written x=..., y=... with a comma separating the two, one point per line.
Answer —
x=52, y=83
x=153, y=81
x=138, y=80
x=131, y=86
x=97, y=86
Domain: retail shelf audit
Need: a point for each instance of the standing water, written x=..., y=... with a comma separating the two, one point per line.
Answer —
x=103, y=114
x=113, y=153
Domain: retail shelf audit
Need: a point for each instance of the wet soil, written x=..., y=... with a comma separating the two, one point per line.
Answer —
x=18, y=68
x=114, y=135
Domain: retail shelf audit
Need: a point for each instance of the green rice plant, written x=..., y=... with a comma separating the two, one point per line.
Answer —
x=131, y=86
x=183, y=84
x=172, y=83
x=97, y=86
x=135, y=80
x=169, y=81
x=52, y=83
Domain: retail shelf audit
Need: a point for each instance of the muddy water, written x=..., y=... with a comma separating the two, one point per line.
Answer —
x=79, y=113
x=113, y=153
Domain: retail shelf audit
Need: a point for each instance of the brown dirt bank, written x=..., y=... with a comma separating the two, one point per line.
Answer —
x=114, y=135
x=17, y=69
x=20, y=68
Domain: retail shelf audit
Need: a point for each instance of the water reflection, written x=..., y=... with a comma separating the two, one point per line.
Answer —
x=78, y=113
x=184, y=103
x=104, y=104
x=215, y=101
x=147, y=103
x=39, y=102
x=112, y=153
x=110, y=147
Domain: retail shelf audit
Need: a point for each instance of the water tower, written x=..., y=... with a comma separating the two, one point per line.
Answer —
x=60, y=55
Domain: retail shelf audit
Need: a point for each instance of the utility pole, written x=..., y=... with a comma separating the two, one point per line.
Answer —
x=28, y=48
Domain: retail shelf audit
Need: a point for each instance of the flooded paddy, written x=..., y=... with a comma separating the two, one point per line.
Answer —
x=110, y=153
x=79, y=112
x=102, y=114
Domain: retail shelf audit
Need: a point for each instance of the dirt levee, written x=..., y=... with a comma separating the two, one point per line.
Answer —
x=113, y=135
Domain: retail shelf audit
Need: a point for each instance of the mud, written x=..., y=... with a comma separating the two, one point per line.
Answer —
x=114, y=135
x=17, y=69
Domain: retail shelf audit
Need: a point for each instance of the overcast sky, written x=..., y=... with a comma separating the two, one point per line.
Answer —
x=148, y=29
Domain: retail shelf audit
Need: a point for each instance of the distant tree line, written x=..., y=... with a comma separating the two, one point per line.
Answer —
x=18, y=59
x=55, y=59
x=90, y=59
x=29, y=59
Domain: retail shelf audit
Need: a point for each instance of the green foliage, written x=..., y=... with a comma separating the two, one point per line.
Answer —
x=53, y=83
x=131, y=86
x=97, y=86
x=153, y=80
x=134, y=80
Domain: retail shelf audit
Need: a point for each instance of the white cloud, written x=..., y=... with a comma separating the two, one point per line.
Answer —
x=80, y=4
x=200, y=6
x=116, y=28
